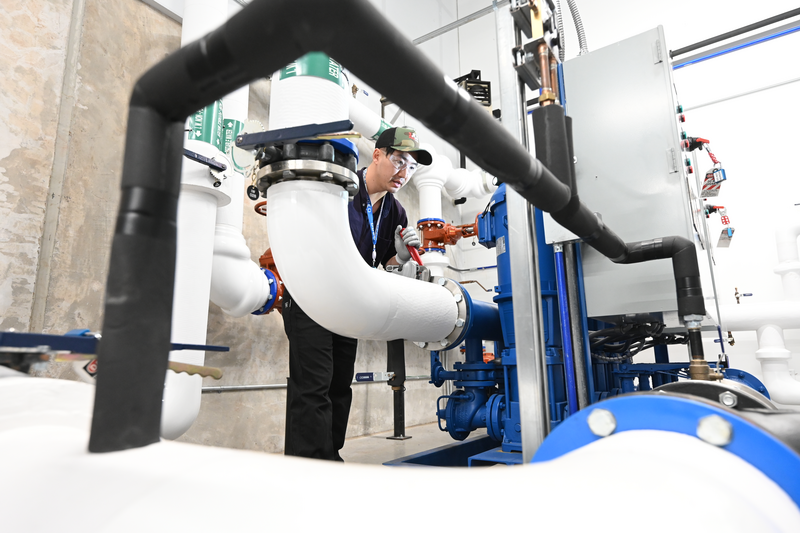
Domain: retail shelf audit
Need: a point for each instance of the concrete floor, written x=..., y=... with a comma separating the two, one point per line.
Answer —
x=377, y=449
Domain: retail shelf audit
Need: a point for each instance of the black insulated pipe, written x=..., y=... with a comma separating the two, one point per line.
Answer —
x=684, y=265
x=260, y=39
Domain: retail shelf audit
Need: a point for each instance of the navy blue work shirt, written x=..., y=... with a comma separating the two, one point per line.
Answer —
x=393, y=215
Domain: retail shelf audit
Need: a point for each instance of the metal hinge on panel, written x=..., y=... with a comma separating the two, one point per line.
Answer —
x=672, y=160
x=657, y=57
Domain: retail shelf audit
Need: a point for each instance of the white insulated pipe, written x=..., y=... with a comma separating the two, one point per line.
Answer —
x=238, y=285
x=788, y=267
x=367, y=123
x=774, y=359
x=322, y=269
x=197, y=212
x=197, y=207
x=769, y=319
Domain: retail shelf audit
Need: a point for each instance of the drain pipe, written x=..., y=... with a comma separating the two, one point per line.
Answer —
x=138, y=306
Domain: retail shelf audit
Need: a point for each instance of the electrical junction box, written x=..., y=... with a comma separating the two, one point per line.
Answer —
x=631, y=170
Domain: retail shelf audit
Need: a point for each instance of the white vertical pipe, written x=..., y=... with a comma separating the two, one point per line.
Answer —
x=197, y=207
x=238, y=285
x=774, y=359
x=788, y=258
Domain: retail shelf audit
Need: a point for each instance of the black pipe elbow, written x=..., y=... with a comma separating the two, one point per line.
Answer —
x=683, y=253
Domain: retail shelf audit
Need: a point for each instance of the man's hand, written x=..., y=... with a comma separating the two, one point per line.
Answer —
x=402, y=239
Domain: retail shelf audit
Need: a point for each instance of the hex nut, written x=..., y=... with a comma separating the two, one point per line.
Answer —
x=602, y=422
x=715, y=430
x=728, y=399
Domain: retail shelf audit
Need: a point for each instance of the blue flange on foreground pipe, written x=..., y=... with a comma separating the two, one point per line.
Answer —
x=710, y=422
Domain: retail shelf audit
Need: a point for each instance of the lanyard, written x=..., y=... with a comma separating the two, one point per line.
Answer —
x=374, y=228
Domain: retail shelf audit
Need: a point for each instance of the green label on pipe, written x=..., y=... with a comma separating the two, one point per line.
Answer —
x=232, y=128
x=206, y=125
x=315, y=64
x=384, y=126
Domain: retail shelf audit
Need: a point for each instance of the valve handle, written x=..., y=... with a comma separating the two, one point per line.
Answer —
x=413, y=251
x=204, y=371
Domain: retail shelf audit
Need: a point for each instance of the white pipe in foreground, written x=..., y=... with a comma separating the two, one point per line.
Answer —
x=322, y=269
x=49, y=419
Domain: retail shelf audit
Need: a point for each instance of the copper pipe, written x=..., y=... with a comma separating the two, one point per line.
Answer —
x=554, y=77
x=544, y=69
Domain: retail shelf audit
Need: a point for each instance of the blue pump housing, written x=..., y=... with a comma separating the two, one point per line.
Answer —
x=487, y=393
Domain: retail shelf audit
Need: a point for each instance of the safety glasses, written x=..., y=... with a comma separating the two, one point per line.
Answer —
x=399, y=164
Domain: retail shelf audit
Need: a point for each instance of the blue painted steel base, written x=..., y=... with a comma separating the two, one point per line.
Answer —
x=456, y=454
x=495, y=457
x=680, y=414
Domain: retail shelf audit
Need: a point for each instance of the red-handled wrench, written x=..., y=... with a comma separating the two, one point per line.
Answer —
x=413, y=251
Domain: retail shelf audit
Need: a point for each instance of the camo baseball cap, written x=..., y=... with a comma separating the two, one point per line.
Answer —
x=404, y=140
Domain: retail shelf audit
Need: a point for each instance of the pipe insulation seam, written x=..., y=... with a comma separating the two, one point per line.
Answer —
x=361, y=302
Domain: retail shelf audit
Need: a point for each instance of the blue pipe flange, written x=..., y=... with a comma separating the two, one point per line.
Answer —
x=678, y=413
x=494, y=416
x=745, y=378
x=273, y=293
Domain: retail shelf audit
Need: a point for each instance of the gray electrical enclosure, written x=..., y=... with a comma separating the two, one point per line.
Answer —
x=631, y=171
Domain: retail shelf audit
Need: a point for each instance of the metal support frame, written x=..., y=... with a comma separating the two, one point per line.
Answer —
x=531, y=370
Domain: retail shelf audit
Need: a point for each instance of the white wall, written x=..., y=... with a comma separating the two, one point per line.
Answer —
x=754, y=136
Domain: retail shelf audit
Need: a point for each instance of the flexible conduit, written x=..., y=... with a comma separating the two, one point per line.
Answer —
x=576, y=16
x=127, y=407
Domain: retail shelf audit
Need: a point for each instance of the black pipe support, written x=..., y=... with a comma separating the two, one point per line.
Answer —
x=260, y=39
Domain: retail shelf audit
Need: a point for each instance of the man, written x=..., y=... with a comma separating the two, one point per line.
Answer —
x=321, y=363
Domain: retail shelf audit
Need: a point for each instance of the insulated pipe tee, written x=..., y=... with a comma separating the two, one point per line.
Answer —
x=309, y=231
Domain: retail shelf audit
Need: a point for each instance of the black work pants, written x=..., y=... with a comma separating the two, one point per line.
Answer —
x=318, y=398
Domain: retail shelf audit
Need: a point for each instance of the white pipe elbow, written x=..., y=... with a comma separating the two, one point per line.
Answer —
x=774, y=359
x=328, y=278
x=238, y=285
x=463, y=183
